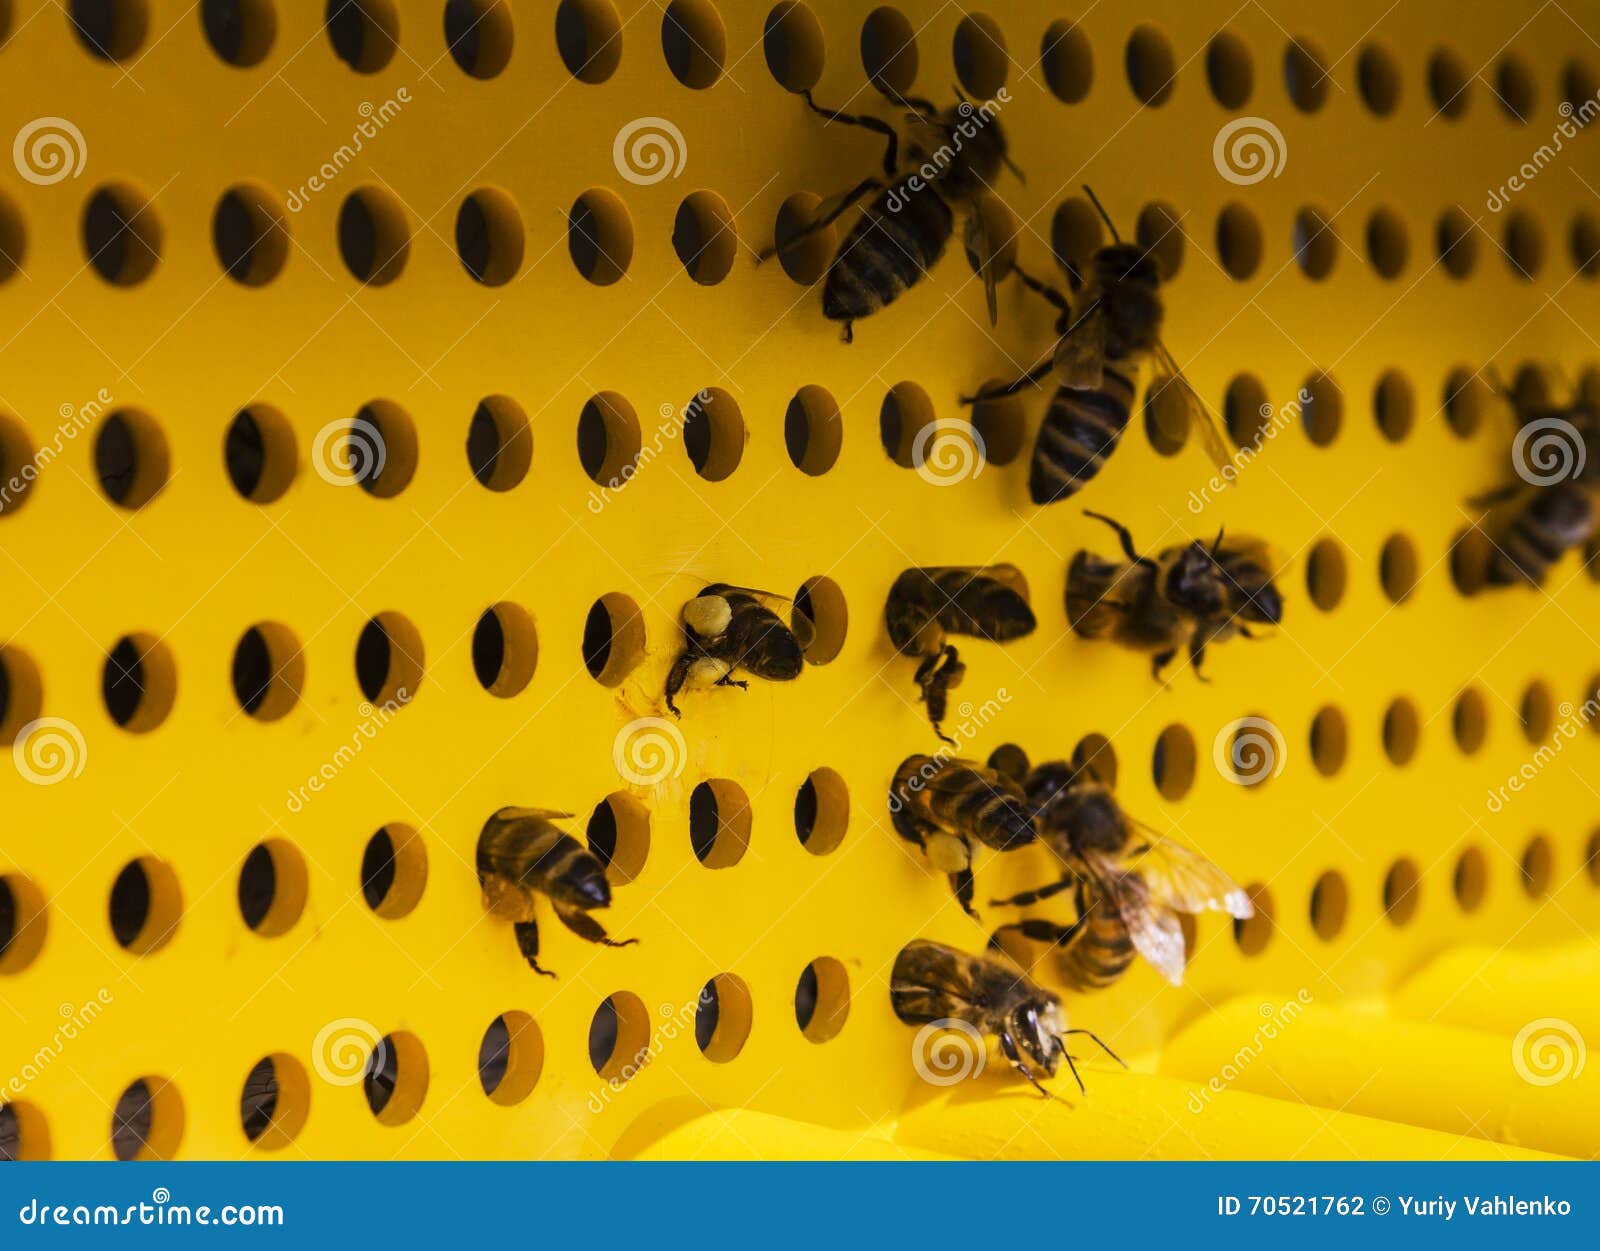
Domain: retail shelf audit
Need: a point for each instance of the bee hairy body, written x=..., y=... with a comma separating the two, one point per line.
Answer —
x=726, y=629
x=892, y=246
x=1080, y=430
x=1554, y=521
x=523, y=854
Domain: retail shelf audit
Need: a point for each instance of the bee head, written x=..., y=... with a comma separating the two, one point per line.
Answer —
x=1036, y=1026
x=1196, y=583
x=584, y=883
x=707, y=615
x=1263, y=604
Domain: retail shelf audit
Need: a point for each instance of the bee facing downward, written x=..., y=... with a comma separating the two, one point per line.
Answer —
x=1554, y=514
x=523, y=854
x=1131, y=882
x=953, y=156
x=1096, y=361
x=945, y=805
x=1186, y=598
x=931, y=982
x=728, y=628
x=926, y=605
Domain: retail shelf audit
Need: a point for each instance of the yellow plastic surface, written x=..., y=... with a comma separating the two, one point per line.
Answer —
x=197, y=566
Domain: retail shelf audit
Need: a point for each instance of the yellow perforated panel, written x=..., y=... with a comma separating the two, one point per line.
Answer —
x=1396, y=125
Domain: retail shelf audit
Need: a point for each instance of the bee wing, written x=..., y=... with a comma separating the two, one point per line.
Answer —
x=533, y=814
x=1182, y=878
x=782, y=607
x=1213, y=432
x=1152, y=925
x=1081, y=355
x=985, y=259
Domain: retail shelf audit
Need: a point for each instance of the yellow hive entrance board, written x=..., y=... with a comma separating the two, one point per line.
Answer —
x=1375, y=848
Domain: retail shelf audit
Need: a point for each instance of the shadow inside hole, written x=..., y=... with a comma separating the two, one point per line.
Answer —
x=494, y=1055
x=132, y=1119
x=806, y=992
x=603, y=1035
x=488, y=649
x=123, y=682
x=258, y=1102
x=382, y=1075
x=378, y=872
x=706, y=1015
x=258, y=886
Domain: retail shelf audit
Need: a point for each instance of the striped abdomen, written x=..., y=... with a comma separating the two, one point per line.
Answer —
x=1080, y=430
x=958, y=797
x=892, y=245
x=1556, y=520
x=1101, y=952
x=519, y=855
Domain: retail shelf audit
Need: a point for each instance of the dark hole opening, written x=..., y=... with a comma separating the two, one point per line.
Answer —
x=234, y=234
x=8, y=916
x=224, y=26
x=697, y=434
x=122, y=684
x=703, y=820
x=258, y=885
x=603, y=1035
x=461, y=33
x=130, y=903
x=252, y=670
x=358, y=238
x=383, y=1072
x=377, y=872
x=116, y=458
x=488, y=649
x=472, y=237
x=805, y=811
x=707, y=1015
x=374, y=654
x=245, y=453
x=597, y=639
x=483, y=444
x=602, y=834
x=494, y=1055
x=259, y=1101
x=131, y=1120
x=805, y=997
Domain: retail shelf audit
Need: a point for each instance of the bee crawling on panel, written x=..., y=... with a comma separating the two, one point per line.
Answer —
x=934, y=984
x=951, y=158
x=945, y=805
x=1129, y=882
x=1099, y=351
x=926, y=605
x=522, y=854
x=728, y=629
x=1183, y=599
x=1556, y=458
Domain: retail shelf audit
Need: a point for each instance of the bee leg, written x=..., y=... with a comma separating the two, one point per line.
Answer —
x=1008, y=1048
x=963, y=884
x=1125, y=537
x=1030, y=379
x=585, y=926
x=1490, y=498
x=1034, y=896
x=1048, y=931
x=1244, y=632
x=862, y=188
x=891, y=153
x=1160, y=661
x=528, y=944
x=727, y=679
x=1197, y=655
x=1057, y=300
x=676, y=677
x=1101, y=1044
x=848, y=334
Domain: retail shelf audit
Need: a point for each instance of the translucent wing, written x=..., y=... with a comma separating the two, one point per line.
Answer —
x=1213, y=433
x=1182, y=878
x=1152, y=926
x=784, y=607
x=1081, y=354
x=533, y=814
x=984, y=257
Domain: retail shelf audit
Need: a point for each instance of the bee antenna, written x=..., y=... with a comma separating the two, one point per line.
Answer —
x=1099, y=1042
x=961, y=96
x=1082, y=1090
x=1015, y=170
x=1217, y=546
x=1101, y=209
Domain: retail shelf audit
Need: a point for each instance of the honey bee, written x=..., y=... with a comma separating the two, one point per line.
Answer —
x=1552, y=517
x=931, y=982
x=1097, y=358
x=1131, y=882
x=925, y=605
x=728, y=628
x=944, y=805
x=1186, y=598
x=523, y=854
x=952, y=157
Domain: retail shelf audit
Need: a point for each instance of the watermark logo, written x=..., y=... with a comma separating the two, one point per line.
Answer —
x=649, y=150
x=1274, y=421
x=1249, y=751
x=345, y=1050
x=1547, y=451
x=1573, y=119
x=649, y=750
x=344, y=453
x=373, y=119
x=1548, y=1051
x=373, y=719
x=1249, y=150
x=948, y=452
x=948, y=1051
x=49, y=750
x=1572, y=720
x=1275, y=1019
x=49, y=150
